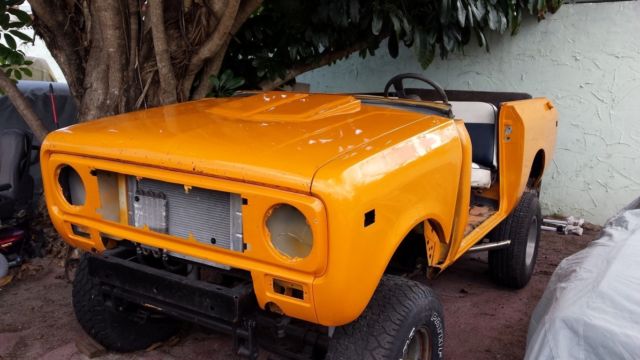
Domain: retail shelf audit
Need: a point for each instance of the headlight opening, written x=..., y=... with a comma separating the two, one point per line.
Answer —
x=71, y=185
x=289, y=231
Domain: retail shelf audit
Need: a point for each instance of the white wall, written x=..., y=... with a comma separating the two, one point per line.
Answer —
x=586, y=58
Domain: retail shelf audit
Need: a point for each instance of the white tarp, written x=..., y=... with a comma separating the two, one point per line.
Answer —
x=591, y=307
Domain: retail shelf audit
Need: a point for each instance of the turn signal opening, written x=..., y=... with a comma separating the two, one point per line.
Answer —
x=288, y=289
x=81, y=231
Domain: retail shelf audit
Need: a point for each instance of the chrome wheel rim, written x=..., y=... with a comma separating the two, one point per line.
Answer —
x=418, y=346
x=532, y=238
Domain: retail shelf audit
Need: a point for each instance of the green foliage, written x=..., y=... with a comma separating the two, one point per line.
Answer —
x=12, y=21
x=225, y=84
x=284, y=34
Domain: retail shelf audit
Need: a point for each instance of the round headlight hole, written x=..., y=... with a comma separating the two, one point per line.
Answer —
x=289, y=231
x=72, y=186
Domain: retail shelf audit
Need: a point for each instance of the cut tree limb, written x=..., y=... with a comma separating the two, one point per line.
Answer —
x=165, y=68
x=22, y=105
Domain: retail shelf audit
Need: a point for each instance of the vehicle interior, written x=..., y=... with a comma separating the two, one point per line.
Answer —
x=480, y=111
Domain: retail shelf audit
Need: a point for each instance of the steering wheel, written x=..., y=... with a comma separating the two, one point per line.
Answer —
x=397, y=82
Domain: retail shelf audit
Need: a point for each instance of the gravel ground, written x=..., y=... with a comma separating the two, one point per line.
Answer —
x=483, y=321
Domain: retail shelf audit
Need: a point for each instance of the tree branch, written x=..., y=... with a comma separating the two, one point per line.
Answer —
x=247, y=7
x=211, y=68
x=22, y=105
x=163, y=59
x=60, y=32
x=326, y=58
x=211, y=46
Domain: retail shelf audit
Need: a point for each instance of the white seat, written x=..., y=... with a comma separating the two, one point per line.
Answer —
x=474, y=112
x=480, y=177
x=480, y=120
x=484, y=117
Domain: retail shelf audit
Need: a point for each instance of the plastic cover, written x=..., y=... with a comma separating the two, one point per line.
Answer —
x=591, y=306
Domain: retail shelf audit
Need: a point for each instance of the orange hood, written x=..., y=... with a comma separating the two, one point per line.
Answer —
x=275, y=138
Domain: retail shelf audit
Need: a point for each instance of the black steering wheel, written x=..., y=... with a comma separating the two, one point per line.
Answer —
x=397, y=80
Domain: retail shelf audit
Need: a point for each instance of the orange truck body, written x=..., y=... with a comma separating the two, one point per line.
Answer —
x=333, y=157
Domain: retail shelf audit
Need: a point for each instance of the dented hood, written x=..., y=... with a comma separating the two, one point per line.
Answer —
x=274, y=138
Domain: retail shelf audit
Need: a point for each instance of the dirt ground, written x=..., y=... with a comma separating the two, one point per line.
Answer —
x=482, y=320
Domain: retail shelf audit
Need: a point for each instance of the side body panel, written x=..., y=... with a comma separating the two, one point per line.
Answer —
x=406, y=178
x=525, y=127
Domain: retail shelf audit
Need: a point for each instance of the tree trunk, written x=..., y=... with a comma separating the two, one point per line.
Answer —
x=121, y=55
x=22, y=105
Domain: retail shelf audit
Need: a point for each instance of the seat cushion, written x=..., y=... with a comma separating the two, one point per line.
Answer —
x=480, y=177
x=480, y=121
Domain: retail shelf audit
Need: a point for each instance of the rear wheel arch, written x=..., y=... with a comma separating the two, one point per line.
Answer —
x=537, y=170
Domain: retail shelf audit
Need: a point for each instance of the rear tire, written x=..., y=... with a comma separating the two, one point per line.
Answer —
x=513, y=266
x=404, y=318
x=116, y=329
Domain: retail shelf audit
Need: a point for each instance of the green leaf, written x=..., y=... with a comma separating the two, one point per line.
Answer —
x=445, y=11
x=482, y=9
x=20, y=35
x=226, y=76
x=17, y=74
x=425, y=48
x=8, y=72
x=462, y=13
x=10, y=41
x=15, y=58
x=503, y=22
x=392, y=44
x=26, y=71
x=397, y=27
x=354, y=11
x=494, y=19
x=235, y=83
x=215, y=82
x=4, y=20
x=376, y=24
x=482, y=42
x=21, y=15
x=448, y=40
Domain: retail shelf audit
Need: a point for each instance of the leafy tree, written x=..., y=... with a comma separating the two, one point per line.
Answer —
x=289, y=37
x=121, y=55
x=12, y=61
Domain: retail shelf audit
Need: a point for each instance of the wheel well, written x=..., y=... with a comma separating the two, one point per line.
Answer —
x=411, y=254
x=537, y=168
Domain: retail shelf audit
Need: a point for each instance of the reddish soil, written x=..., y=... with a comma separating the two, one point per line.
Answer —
x=483, y=321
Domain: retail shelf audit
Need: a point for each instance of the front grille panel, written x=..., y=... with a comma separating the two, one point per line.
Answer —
x=211, y=217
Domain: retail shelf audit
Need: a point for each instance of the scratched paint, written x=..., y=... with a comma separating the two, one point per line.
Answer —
x=586, y=59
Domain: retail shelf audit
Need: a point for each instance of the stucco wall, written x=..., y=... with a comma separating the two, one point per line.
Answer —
x=586, y=58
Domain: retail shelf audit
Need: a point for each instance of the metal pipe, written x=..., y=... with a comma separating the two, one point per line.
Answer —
x=490, y=246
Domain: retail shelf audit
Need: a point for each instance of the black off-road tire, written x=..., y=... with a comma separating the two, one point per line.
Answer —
x=513, y=266
x=399, y=310
x=116, y=330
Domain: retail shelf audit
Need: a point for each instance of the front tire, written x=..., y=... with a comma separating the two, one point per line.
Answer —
x=403, y=320
x=116, y=327
x=513, y=266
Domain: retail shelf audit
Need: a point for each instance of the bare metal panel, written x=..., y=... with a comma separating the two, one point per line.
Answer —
x=211, y=217
x=150, y=209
